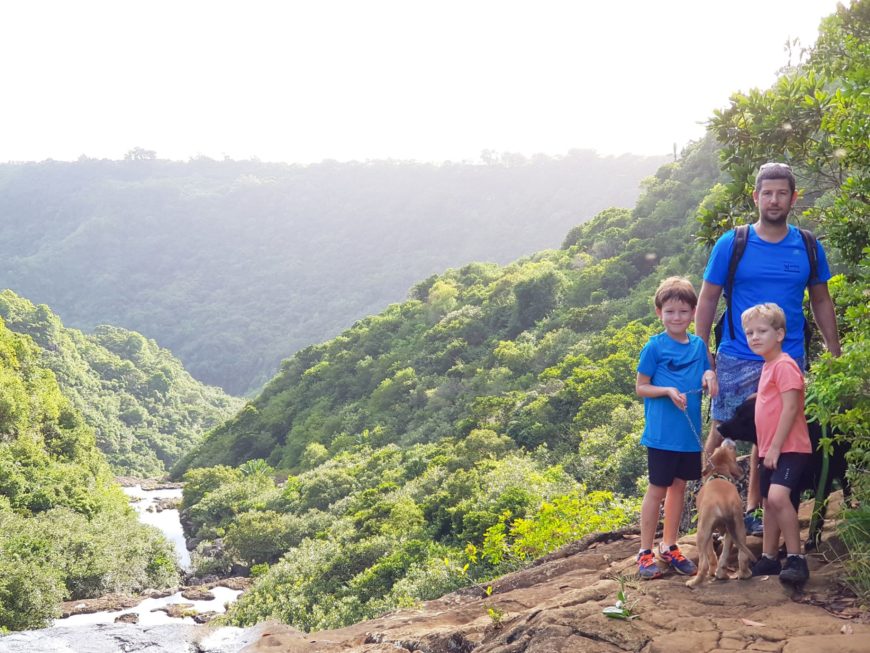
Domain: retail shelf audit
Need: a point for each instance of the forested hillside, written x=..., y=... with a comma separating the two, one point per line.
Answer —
x=235, y=265
x=469, y=347
x=491, y=417
x=144, y=408
x=485, y=420
x=66, y=530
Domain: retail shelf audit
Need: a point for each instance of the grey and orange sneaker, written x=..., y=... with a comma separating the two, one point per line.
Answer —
x=647, y=567
x=680, y=563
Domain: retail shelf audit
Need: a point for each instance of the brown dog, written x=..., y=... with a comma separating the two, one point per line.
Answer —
x=720, y=507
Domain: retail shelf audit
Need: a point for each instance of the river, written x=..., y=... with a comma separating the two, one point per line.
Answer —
x=155, y=632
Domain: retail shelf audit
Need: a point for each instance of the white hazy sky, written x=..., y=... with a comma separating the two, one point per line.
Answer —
x=366, y=79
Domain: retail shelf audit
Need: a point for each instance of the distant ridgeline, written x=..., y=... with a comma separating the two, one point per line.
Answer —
x=235, y=265
x=145, y=409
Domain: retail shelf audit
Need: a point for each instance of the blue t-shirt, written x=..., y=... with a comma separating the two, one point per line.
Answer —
x=680, y=365
x=767, y=272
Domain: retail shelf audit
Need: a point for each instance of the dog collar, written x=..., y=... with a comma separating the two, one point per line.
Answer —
x=718, y=475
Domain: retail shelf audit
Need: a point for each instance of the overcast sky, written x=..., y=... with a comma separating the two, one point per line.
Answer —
x=368, y=79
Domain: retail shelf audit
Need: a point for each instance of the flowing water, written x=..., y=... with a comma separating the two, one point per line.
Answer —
x=156, y=632
x=145, y=501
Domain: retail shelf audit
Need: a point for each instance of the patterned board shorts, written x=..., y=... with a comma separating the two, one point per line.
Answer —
x=738, y=378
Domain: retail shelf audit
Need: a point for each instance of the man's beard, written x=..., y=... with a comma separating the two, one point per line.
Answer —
x=781, y=217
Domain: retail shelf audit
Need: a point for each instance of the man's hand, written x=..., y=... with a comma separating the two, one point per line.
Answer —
x=710, y=383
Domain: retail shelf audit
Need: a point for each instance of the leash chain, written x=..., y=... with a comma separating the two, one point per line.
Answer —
x=692, y=425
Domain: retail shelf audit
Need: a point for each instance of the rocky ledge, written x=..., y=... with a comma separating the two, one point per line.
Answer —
x=557, y=606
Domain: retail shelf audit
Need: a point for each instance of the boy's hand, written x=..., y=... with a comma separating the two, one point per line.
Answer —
x=771, y=458
x=710, y=383
x=678, y=398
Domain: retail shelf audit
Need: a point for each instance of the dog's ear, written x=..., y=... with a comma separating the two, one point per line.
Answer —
x=728, y=459
x=708, y=470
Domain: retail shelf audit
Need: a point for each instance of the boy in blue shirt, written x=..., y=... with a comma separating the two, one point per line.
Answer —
x=672, y=372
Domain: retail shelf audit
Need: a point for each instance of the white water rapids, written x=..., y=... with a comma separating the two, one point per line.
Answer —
x=156, y=631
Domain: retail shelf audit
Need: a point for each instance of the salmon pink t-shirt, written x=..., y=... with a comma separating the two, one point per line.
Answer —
x=777, y=376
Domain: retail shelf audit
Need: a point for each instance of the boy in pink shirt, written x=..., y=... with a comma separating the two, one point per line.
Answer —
x=784, y=447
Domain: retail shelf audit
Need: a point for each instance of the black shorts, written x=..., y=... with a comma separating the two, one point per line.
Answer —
x=665, y=466
x=789, y=469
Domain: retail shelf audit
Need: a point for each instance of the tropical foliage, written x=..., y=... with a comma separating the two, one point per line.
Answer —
x=66, y=530
x=144, y=408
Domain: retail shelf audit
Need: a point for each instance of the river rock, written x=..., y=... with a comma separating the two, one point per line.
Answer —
x=200, y=593
x=204, y=617
x=127, y=618
x=238, y=583
x=106, y=603
x=177, y=610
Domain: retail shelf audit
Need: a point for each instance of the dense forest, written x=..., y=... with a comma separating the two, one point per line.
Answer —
x=491, y=416
x=145, y=409
x=235, y=265
x=66, y=529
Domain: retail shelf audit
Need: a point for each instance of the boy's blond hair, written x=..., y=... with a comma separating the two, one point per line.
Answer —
x=678, y=288
x=769, y=312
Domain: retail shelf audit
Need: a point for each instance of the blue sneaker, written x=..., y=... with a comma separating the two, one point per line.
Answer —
x=647, y=567
x=753, y=522
x=680, y=563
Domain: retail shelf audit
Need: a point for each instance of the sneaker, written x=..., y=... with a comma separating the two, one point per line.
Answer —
x=680, y=563
x=647, y=568
x=766, y=567
x=753, y=522
x=795, y=571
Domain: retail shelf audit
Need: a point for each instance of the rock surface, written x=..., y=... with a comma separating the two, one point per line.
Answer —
x=556, y=606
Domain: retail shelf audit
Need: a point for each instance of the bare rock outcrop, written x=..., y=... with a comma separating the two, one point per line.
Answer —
x=557, y=606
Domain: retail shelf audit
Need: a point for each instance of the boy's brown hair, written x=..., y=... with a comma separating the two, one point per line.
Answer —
x=678, y=288
x=769, y=312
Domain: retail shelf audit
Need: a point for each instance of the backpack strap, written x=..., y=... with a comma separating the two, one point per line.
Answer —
x=812, y=254
x=741, y=235
x=813, y=257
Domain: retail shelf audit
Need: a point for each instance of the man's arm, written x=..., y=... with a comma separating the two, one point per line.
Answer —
x=705, y=312
x=823, y=312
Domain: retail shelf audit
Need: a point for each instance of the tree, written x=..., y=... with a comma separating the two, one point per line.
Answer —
x=140, y=154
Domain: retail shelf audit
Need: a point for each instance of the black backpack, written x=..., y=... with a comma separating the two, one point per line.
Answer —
x=741, y=235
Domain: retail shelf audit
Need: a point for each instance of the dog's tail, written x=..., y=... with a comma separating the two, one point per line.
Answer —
x=739, y=542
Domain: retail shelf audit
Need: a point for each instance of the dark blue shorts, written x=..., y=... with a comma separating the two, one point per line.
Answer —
x=789, y=469
x=665, y=466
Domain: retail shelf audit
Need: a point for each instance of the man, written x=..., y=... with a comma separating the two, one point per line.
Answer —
x=774, y=268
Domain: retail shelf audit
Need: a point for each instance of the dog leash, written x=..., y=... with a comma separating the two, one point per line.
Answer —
x=692, y=424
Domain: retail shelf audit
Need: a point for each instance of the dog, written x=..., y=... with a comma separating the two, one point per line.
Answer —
x=742, y=427
x=720, y=507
